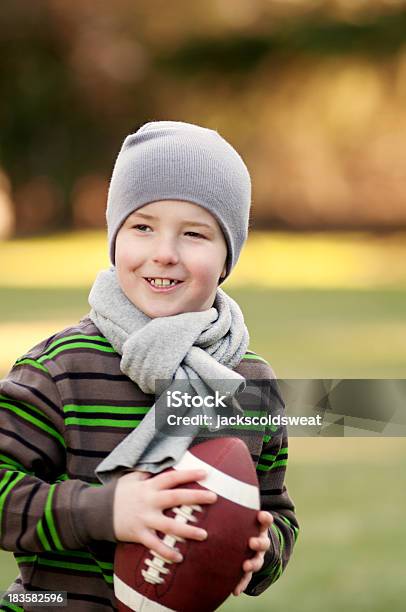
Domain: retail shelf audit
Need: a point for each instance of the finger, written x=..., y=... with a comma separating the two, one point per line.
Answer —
x=173, y=478
x=263, y=531
x=265, y=518
x=242, y=585
x=173, y=527
x=246, y=566
x=261, y=544
x=151, y=541
x=179, y=497
x=254, y=564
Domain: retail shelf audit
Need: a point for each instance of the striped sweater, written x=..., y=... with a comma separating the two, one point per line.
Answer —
x=63, y=407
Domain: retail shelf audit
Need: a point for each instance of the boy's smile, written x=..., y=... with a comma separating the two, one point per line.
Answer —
x=169, y=258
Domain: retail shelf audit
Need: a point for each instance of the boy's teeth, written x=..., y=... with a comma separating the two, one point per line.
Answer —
x=161, y=282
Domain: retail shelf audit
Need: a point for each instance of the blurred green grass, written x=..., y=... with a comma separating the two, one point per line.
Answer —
x=349, y=493
x=328, y=333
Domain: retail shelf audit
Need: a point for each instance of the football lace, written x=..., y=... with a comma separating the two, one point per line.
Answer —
x=156, y=565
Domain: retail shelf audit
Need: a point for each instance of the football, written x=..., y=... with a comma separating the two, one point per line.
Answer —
x=212, y=568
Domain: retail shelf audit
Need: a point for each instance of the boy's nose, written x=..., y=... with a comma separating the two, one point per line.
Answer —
x=165, y=252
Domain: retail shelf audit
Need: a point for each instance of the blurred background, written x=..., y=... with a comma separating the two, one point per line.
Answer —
x=312, y=93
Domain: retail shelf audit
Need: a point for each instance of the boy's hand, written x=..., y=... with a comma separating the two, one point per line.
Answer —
x=139, y=502
x=261, y=545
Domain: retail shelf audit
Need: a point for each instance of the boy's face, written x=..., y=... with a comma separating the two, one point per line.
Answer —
x=170, y=239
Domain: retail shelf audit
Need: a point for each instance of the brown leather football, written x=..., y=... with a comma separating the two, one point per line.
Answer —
x=210, y=569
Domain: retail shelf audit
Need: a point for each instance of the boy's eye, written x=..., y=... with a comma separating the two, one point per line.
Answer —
x=139, y=225
x=196, y=234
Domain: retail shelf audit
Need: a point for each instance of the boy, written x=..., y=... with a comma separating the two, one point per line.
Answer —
x=177, y=216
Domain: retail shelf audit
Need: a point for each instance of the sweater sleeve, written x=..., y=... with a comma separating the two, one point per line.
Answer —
x=40, y=509
x=271, y=470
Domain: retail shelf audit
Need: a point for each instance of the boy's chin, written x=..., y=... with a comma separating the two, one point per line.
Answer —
x=167, y=310
x=164, y=310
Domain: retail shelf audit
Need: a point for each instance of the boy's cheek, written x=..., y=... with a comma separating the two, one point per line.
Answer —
x=206, y=276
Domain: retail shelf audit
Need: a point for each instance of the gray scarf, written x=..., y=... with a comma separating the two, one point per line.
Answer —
x=198, y=348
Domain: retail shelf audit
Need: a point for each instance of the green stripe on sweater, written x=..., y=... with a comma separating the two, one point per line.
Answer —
x=47, y=519
x=42, y=537
x=107, y=409
x=75, y=345
x=12, y=402
x=80, y=567
x=276, y=464
x=278, y=532
x=69, y=556
x=14, y=468
x=254, y=357
x=25, y=558
x=9, y=487
x=97, y=567
x=32, y=362
x=87, y=342
x=101, y=422
x=10, y=606
x=293, y=527
x=31, y=419
x=11, y=462
x=85, y=337
x=267, y=456
x=50, y=519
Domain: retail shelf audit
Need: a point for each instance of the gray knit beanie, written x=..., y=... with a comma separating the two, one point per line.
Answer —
x=173, y=160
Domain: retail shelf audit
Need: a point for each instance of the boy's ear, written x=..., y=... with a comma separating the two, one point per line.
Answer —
x=223, y=273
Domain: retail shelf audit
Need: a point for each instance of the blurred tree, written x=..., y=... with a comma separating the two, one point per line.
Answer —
x=76, y=77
